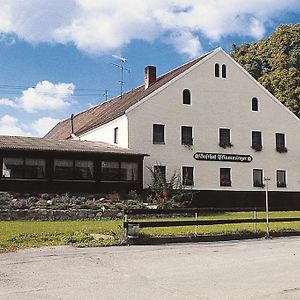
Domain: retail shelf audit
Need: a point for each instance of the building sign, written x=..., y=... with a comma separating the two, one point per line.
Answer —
x=223, y=157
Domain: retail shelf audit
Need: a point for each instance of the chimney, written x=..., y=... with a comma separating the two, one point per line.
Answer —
x=150, y=76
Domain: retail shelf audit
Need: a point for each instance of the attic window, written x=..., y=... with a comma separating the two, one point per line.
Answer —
x=217, y=70
x=223, y=71
x=186, y=97
x=254, y=104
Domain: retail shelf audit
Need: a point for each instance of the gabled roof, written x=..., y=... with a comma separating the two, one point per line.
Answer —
x=114, y=108
x=54, y=145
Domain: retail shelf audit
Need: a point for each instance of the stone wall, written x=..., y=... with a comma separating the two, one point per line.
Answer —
x=57, y=215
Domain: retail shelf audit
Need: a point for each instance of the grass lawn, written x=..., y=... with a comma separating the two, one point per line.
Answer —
x=23, y=234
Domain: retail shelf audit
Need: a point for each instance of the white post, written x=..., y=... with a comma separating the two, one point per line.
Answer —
x=267, y=206
x=196, y=226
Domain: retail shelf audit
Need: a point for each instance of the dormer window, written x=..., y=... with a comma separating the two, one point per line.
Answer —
x=186, y=97
x=217, y=70
x=254, y=104
x=223, y=71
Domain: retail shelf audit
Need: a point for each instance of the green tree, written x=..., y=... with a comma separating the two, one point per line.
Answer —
x=275, y=63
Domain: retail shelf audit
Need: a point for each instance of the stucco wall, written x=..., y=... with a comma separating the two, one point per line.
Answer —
x=217, y=102
x=105, y=133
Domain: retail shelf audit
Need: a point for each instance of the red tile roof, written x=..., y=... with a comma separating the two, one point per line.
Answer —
x=114, y=108
x=44, y=144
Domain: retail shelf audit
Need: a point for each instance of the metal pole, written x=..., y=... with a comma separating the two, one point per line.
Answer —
x=254, y=221
x=126, y=228
x=267, y=207
x=196, y=226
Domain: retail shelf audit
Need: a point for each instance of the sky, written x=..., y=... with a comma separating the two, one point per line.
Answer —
x=57, y=57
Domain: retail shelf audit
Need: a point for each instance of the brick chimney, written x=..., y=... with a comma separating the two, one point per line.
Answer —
x=150, y=76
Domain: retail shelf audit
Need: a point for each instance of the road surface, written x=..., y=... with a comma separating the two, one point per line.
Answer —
x=253, y=269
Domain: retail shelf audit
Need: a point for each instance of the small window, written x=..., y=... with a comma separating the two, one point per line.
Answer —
x=217, y=70
x=73, y=169
x=223, y=71
x=116, y=135
x=129, y=171
x=281, y=178
x=186, y=97
x=254, y=104
x=29, y=168
x=186, y=135
x=280, y=143
x=110, y=171
x=258, y=178
x=256, y=141
x=188, y=176
x=159, y=173
x=224, y=137
x=225, y=178
x=158, y=134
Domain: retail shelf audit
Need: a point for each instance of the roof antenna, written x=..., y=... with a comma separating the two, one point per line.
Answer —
x=122, y=68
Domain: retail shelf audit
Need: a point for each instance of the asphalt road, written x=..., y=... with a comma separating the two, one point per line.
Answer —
x=256, y=269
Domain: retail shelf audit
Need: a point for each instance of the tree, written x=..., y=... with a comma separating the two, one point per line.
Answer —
x=275, y=63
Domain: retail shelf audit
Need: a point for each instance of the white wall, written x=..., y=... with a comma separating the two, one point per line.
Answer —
x=217, y=102
x=105, y=133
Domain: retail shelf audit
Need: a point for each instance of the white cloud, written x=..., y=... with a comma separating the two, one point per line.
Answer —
x=45, y=96
x=43, y=125
x=9, y=125
x=100, y=27
x=8, y=102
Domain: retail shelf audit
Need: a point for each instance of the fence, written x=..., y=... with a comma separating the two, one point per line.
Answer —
x=132, y=227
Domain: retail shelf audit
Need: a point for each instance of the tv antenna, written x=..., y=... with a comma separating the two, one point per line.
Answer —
x=122, y=69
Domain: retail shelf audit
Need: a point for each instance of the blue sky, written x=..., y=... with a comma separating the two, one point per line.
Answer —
x=56, y=56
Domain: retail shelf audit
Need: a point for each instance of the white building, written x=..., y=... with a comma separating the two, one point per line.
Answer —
x=210, y=121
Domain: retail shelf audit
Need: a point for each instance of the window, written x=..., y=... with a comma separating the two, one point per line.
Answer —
x=256, y=141
x=258, y=178
x=254, y=104
x=158, y=134
x=73, y=169
x=217, y=70
x=186, y=135
x=281, y=178
x=187, y=175
x=280, y=143
x=159, y=173
x=119, y=171
x=224, y=138
x=225, y=179
x=223, y=71
x=116, y=135
x=129, y=171
x=30, y=168
x=186, y=97
x=110, y=171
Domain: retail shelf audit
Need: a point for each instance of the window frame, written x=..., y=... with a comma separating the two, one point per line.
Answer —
x=164, y=134
x=158, y=167
x=184, y=97
x=23, y=168
x=258, y=184
x=217, y=70
x=256, y=147
x=184, y=182
x=280, y=148
x=189, y=142
x=224, y=71
x=281, y=185
x=225, y=182
x=116, y=135
x=227, y=142
x=252, y=104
